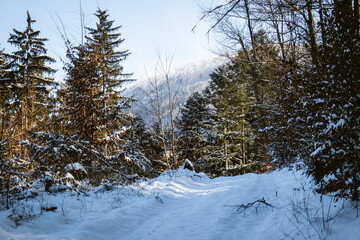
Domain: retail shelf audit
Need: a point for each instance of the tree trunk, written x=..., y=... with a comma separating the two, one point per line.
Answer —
x=322, y=24
x=226, y=154
x=246, y=3
x=159, y=116
x=357, y=15
x=312, y=34
x=171, y=110
x=344, y=15
x=7, y=192
x=279, y=33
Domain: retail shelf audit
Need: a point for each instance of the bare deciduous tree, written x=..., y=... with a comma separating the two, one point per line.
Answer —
x=162, y=95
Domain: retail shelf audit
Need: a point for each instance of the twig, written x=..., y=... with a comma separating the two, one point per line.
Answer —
x=158, y=198
x=243, y=207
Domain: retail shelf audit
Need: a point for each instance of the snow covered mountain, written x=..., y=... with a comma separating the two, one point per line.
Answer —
x=183, y=82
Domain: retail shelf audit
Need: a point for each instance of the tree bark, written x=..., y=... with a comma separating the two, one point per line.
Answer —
x=246, y=3
x=226, y=154
x=357, y=15
x=312, y=33
x=322, y=24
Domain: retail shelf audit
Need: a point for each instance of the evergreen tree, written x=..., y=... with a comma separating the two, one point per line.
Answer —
x=334, y=107
x=7, y=168
x=2, y=68
x=25, y=88
x=104, y=40
x=5, y=97
x=160, y=155
x=229, y=107
x=80, y=113
x=30, y=74
x=319, y=108
x=288, y=134
x=81, y=94
x=263, y=88
x=192, y=127
x=92, y=108
x=73, y=136
x=138, y=147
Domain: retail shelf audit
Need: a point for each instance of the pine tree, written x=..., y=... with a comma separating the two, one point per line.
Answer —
x=31, y=82
x=105, y=39
x=92, y=109
x=192, y=127
x=5, y=97
x=229, y=106
x=7, y=168
x=334, y=107
x=138, y=147
x=81, y=94
x=319, y=108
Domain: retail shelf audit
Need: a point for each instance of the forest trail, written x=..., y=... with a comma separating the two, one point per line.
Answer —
x=190, y=206
x=176, y=205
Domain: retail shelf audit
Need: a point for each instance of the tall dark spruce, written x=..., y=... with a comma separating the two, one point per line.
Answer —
x=28, y=84
x=335, y=106
x=93, y=107
x=229, y=106
x=192, y=129
x=30, y=81
x=105, y=39
x=319, y=107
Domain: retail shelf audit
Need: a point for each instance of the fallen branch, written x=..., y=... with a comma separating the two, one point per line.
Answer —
x=158, y=198
x=256, y=204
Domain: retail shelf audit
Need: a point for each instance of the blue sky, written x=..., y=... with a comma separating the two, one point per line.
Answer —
x=148, y=27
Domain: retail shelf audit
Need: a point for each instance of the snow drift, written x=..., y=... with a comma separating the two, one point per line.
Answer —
x=186, y=205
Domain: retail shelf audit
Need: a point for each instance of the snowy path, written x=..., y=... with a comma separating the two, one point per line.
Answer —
x=190, y=210
x=182, y=206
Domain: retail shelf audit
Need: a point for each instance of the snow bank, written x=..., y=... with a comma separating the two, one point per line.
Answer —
x=75, y=167
x=186, y=205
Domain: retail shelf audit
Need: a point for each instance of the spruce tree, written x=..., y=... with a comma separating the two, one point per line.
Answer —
x=105, y=39
x=5, y=97
x=289, y=134
x=334, y=107
x=80, y=112
x=30, y=74
x=319, y=108
x=2, y=69
x=8, y=168
x=92, y=109
x=192, y=127
x=229, y=106
x=81, y=94
x=138, y=147
x=26, y=85
x=8, y=165
x=263, y=89
x=72, y=136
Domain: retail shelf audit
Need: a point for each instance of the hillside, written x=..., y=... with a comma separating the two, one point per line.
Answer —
x=184, y=81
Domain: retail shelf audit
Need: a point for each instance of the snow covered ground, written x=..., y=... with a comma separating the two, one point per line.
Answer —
x=185, y=205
